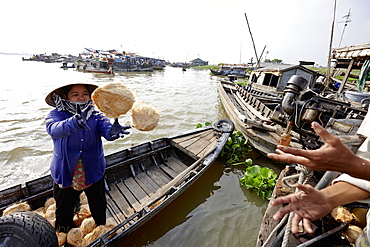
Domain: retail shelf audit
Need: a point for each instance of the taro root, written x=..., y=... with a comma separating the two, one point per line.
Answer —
x=144, y=117
x=50, y=214
x=62, y=238
x=76, y=238
x=41, y=211
x=97, y=233
x=341, y=214
x=82, y=214
x=87, y=225
x=352, y=233
x=22, y=206
x=113, y=99
x=83, y=198
x=49, y=202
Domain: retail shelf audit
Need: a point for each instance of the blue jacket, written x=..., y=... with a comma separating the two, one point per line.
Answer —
x=72, y=142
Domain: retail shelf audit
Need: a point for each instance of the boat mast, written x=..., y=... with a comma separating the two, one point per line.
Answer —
x=255, y=51
x=327, y=79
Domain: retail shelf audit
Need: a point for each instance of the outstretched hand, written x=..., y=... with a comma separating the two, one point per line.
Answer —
x=332, y=156
x=81, y=116
x=305, y=206
x=118, y=130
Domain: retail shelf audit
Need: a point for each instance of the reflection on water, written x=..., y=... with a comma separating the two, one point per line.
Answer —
x=217, y=211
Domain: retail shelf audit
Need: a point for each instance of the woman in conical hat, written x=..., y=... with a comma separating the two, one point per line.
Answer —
x=78, y=164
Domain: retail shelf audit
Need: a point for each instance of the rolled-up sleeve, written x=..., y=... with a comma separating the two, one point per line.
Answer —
x=361, y=183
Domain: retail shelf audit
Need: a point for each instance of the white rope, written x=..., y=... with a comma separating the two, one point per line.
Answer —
x=274, y=231
x=303, y=177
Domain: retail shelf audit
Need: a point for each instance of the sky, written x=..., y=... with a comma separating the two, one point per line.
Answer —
x=179, y=31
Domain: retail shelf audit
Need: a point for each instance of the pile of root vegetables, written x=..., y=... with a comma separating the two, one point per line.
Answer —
x=82, y=235
x=356, y=218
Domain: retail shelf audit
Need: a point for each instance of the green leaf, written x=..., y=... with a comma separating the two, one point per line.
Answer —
x=236, y=149
x=259, y=180
x=254, y=170
x=265, y=172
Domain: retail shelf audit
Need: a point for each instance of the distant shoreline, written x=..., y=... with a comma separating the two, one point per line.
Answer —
x=14, y=53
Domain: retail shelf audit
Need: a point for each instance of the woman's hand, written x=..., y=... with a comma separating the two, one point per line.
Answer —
x=118, y=130
x=81, y=116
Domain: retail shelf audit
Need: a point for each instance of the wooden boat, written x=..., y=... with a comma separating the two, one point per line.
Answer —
x=66, y=66
x=329, y=231
x=262, y=115
x=158, y=64
x=237, y=70
x=140, y=181
x=94, y=69
x=158, y=67
x=215, y=72
x=101, y=65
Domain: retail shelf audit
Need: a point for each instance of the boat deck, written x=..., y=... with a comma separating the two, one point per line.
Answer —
x=127, y=198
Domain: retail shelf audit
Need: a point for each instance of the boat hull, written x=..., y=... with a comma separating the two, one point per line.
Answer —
x=328, y=231
x=263, y=140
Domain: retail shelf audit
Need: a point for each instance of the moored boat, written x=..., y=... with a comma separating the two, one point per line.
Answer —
x=328, y=231
x=237, y=70
x=101, y=65
x=140, y=181
x=263, y=116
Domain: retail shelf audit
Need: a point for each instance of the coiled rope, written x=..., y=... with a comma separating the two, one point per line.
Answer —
x=303, y=176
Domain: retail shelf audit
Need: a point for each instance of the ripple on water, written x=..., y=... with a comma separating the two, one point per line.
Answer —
x=184, y=99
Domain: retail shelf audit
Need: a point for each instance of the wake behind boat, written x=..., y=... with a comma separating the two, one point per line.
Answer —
x=140, y=182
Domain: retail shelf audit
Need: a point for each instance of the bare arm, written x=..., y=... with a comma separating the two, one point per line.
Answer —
x=332, y=156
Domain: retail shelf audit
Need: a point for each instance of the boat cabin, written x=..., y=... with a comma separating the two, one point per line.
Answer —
x=277, y=75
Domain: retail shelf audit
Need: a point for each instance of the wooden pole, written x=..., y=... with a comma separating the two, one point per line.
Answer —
x=327, y=78
x=344, y=80
x=259, y=60
x=255, y=51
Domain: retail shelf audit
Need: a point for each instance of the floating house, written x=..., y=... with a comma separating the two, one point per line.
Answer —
x=198, y=62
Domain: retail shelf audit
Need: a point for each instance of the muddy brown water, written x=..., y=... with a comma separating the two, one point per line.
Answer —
x=215, y=211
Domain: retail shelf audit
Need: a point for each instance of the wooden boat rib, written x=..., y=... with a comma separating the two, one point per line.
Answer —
x=141, y=180
x=246, y=112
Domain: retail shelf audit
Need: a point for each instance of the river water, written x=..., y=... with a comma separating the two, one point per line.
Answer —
x=216, y=211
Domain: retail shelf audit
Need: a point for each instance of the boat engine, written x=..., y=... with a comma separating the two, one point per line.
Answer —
x=305, y=106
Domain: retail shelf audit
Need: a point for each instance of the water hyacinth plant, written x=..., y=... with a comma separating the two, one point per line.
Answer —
x=260, y=180
x=199, y=125
x=236, y=149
